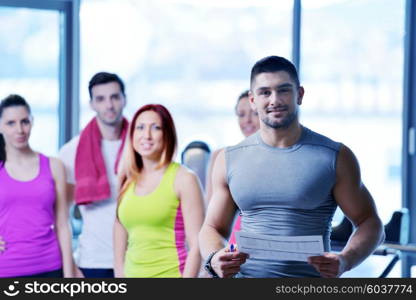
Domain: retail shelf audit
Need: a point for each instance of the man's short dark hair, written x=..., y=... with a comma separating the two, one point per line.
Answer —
x=104, y=77
x=272, y=64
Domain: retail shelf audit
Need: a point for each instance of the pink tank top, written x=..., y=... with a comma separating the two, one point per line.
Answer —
x=27, y=218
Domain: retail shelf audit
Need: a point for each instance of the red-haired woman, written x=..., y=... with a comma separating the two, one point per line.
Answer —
x=160, y=209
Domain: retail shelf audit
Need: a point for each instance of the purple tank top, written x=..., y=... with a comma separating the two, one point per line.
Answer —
x=27, y=217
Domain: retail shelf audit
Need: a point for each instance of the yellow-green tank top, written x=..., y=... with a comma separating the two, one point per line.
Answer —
x=155, y=227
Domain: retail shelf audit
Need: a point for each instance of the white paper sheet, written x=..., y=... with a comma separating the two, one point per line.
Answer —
x=297, y=248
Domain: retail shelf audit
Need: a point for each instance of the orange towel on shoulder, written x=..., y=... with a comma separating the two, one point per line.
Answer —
x=90, y=173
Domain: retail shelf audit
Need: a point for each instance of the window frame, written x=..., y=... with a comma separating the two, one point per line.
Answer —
x=409, y=127
x=68, y=106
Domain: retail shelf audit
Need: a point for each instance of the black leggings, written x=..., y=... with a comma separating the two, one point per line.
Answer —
x=51, y=274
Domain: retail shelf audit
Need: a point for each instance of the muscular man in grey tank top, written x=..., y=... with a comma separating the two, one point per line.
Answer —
x=287, y=181
x=286, y=200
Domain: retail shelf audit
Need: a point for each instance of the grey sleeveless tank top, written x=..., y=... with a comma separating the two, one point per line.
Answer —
x=283, y=192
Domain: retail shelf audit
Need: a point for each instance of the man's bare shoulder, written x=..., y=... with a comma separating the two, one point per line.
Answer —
x=220, y=157
x=347, y=163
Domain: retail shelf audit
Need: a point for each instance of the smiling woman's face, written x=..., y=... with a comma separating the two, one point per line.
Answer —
x=148, y=135
x=247, y=118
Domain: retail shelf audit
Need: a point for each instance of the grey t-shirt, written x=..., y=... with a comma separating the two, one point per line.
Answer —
x=283, y=192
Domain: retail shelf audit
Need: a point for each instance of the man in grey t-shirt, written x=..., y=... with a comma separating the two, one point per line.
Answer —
x=287, y=181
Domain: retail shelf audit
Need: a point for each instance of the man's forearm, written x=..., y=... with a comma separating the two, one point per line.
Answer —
x=210, y=240
x=362, y=243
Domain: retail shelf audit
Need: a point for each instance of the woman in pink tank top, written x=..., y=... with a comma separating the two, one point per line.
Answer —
x=34, y=233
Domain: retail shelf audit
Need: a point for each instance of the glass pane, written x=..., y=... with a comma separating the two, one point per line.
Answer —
x=353, y=81
x=29, y=60
x=194, y=57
